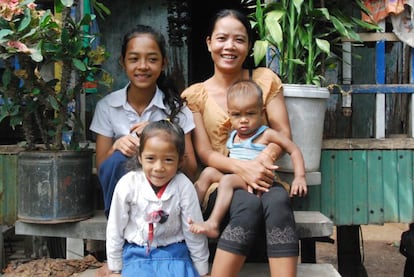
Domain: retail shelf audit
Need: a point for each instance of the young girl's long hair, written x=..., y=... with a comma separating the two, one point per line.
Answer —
x=172, y=97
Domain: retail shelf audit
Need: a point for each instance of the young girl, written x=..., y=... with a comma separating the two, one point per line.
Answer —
x=148, y=231
x=120, y=116
x=246, y=142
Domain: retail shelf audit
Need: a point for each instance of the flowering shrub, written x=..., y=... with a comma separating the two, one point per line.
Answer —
x=34, y=44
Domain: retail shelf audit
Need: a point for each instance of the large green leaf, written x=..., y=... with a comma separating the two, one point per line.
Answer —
x=298, y=5
x=4, y=33
x=260, y=48
x=67, y=3
x=53, y=102
x=297, y=61
x=324, y=45
x=273, y=26
x=339, y=26
x=79, y=64
x=36, y=55
x=25, y=21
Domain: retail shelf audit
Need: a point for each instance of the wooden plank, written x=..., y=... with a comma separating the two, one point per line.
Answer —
x=359, y=189
x=343, y=187
x=368, y=144
x=375, y=187
x=390, y=182
x=8, y=188
x=370, y=37
x=377, y=88
x=405, y=186
x=328, y=183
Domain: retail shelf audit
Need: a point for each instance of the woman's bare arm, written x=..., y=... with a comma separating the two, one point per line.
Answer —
x=278, y=119
x=189, y=166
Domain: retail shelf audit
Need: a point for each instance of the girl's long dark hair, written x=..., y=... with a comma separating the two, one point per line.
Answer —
x=172, y=98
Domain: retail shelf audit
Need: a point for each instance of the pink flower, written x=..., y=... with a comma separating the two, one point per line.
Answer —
x=10, y=8
x=21, y=47
x=32, y=6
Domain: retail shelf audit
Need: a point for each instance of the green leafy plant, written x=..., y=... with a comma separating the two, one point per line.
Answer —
x=49, y=62
x=301, y=35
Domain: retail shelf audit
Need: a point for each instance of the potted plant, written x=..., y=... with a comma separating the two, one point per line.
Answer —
x=298, y=39
x=49, y=61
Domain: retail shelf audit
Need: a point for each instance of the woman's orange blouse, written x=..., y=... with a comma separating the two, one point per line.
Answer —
x=216, y=120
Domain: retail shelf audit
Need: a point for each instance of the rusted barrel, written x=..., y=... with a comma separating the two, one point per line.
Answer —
x=55, y=186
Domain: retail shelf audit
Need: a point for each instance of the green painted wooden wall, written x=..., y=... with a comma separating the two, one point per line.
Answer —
x=363, y=187
x=8, y=188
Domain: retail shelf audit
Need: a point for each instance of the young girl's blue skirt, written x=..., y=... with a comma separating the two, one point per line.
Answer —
x=168, y=261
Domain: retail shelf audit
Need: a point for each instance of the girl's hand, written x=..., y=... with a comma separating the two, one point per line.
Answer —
x=138, y=127
x=299, y=187
x=127, y=145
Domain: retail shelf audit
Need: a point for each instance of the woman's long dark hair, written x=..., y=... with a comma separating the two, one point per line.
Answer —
x=172, y=98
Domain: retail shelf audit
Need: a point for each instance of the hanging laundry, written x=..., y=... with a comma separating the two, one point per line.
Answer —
x=380, y=9
x=403, y=24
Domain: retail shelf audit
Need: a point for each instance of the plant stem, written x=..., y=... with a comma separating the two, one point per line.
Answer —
x=309, y=63
x=291, y=39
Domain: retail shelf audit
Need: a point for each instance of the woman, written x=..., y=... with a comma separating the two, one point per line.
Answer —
x=229, y=42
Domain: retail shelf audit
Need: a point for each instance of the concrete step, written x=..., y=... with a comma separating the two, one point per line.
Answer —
x=308, y=223
x=262, y=270
x=304, y=270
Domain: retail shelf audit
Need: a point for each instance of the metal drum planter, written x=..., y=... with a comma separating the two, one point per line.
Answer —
x=54, y=186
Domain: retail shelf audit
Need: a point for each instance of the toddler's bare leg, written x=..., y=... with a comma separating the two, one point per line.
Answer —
x=227, y=185
x=208, y=176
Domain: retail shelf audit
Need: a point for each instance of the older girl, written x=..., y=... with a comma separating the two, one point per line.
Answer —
x=120, y=116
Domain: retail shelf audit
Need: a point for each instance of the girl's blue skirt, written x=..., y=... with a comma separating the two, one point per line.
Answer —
x=168, y=261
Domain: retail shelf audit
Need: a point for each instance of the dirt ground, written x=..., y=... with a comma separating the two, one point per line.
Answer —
x=379, y=250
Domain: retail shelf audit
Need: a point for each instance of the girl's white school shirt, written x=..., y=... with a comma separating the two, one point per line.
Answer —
x=134, y=199
x=114, y=116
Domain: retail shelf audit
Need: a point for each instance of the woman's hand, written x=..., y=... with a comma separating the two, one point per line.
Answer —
x=257, y=174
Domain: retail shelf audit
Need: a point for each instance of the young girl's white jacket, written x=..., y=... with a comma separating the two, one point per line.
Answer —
x=134, y=199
